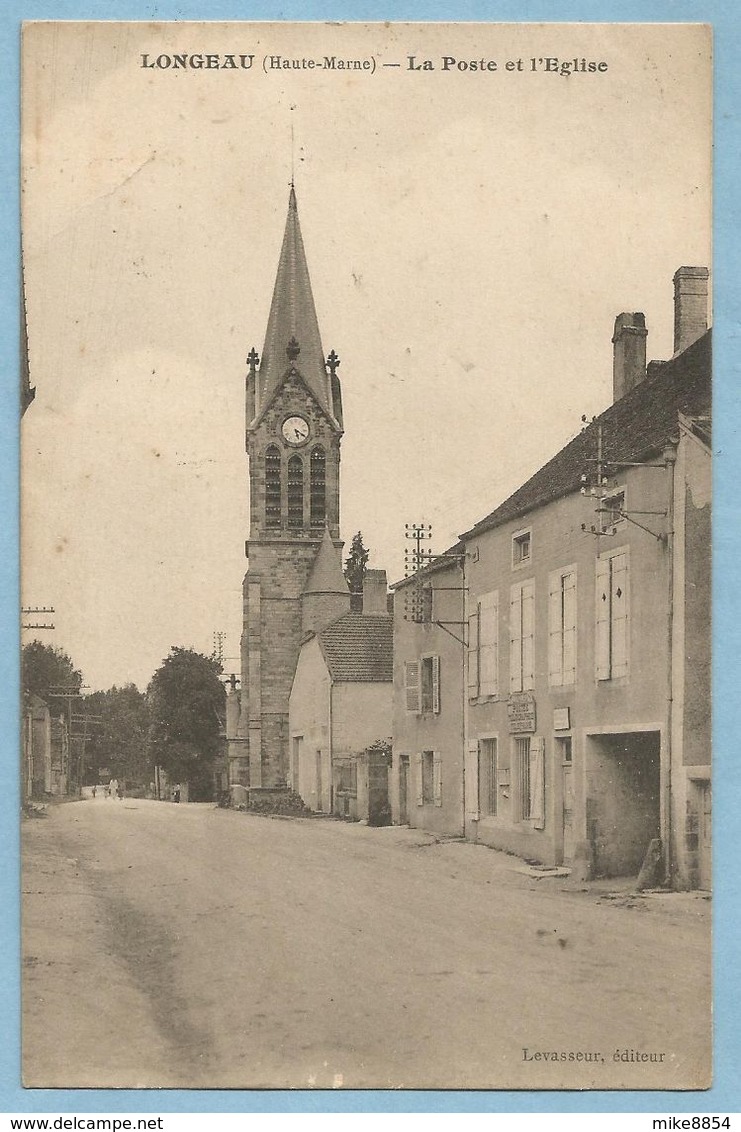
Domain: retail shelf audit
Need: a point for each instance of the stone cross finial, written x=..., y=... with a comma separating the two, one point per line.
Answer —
x=253, y=360
x=293, y=349
x=332, y=362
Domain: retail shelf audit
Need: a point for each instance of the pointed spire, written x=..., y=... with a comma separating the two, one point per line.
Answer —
x=326, y=576
x=292, y=336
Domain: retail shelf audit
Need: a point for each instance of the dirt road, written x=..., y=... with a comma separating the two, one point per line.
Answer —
x=185, y=946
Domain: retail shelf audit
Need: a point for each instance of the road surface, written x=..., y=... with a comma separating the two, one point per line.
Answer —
x=186, y=946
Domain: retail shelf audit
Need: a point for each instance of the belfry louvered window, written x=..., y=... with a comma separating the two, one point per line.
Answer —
x=295, y=492
x=318, y=492
x=272, y=488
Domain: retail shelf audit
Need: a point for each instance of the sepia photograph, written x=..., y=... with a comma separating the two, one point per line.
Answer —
x=366, y=556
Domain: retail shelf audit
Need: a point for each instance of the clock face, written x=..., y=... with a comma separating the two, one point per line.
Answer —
x=295, y=431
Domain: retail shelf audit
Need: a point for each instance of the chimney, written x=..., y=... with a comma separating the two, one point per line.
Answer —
x=690, y=306
x=375, y=591
x=629, y=356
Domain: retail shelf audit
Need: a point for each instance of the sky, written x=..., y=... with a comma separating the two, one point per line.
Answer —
x=471, y=235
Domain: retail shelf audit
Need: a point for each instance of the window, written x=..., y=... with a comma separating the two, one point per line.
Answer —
x=295, y=492
x=429, y=778
x=430, y=684
x=611, y=643
x=521, y=634
x=483, y=647
x=521, y=548
x=488, y=776
x=318, y=487
x=522, y=773
x=529, y=770
x=612, y=511
x=562, y=627
x=272, y=487
x=347, y=777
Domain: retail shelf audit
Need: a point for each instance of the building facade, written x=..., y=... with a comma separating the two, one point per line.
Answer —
x=585, y=720
x=340, y=706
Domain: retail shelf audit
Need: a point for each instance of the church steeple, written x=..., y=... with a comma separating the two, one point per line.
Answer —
x=292, y=337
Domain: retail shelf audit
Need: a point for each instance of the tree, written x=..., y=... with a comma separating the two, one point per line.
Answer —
x=187, y=704
x=119, y=740
x=355, y=566
x=43, y=668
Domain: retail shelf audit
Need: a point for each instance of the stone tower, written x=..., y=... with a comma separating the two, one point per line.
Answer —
x=294, y=429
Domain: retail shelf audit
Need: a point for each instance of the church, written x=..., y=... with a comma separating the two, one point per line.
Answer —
x=294, y=583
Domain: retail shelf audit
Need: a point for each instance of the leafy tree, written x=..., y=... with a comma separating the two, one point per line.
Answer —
x=119, y=740
x=43, y=668
x=355, y=566
x=187, y=704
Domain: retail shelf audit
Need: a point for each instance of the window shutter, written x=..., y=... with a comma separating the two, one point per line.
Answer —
x=602, y=634
x=418, y=776
x=528, y=635
x=437, y=778
x=515, y=639
x=489, y=644
x=569, y=627
x=619, y=604
x=472, y=780
x=473, y=655
x=555, y=630
x=412, y=687
x=436, y=684
x=537, y=781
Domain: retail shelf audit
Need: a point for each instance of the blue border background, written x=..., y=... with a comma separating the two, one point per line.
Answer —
x=725, y=1096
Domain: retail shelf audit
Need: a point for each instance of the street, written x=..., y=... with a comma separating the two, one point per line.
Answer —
x=187, y=946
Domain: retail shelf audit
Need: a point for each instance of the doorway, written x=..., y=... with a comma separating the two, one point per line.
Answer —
x=623, y=799
x=564, y=756
x=404, y=790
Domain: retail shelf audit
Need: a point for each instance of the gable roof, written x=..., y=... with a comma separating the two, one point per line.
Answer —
x=636, y=427
x=359, y=648
x=293, y=316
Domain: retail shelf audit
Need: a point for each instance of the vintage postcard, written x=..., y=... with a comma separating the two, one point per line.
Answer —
x=366, y=513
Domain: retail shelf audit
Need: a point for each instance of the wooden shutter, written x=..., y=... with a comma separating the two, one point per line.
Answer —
x=412, y=687
x=472, y=781
x=537, y=781
x=602, y=627
x=473, y=655
x=515, y=639
x=437, y=778
x=528, y=635
x=436, y=684
x=555, y=630
x=489, y=644
x=569, y=627
x=619, y=611
x=418, y=777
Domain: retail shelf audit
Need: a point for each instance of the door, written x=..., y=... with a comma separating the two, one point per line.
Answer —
x=318, y=781
x=403, y=790
x=567, y=794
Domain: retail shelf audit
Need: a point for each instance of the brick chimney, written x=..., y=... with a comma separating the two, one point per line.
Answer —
x=690, y=306
x=375, y=592
x=629, y=353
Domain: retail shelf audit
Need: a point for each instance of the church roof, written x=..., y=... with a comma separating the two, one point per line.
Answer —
x=293, y=324
x=326, y=574
x=359, y=648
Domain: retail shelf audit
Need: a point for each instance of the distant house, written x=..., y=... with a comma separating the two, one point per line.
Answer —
x=45, y=751
x=340, y=705
x=583, y=733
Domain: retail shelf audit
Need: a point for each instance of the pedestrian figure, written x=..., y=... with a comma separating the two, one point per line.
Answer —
x=176, y=793
x=120, y=793
x=94, y=789
x=107, y=791
x=113, y=788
